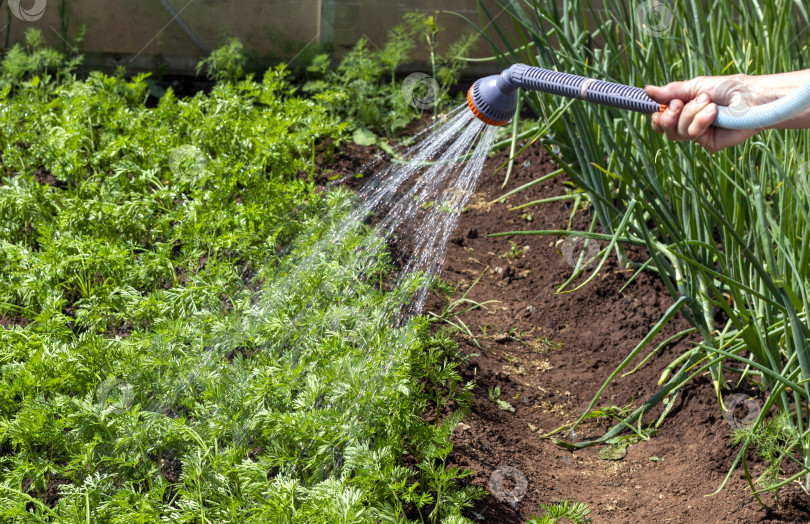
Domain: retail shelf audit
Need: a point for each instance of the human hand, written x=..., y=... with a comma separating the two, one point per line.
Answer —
x=692, y=108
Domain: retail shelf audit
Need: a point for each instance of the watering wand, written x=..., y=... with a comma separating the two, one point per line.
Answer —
x=493, y=99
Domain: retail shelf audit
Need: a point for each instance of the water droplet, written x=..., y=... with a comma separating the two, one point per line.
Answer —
x=526, y=163
x=555, y=149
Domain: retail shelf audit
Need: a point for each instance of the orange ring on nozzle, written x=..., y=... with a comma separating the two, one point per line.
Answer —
x=478, y=114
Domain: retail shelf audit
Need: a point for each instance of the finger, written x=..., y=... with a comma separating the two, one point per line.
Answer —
x=702, y=121
x=689, y=113
x=655, y=120
x=686, y=90
x=669, y=118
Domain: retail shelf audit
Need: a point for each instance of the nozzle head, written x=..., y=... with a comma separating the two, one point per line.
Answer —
x=493, y=99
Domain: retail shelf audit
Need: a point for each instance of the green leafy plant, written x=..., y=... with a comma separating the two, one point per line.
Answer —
x=574, y=512
x=32, y=62
x=65, y=9
x=495, y=396
x=513, y=253
x=775, y=441
x=446, y=69
x=162, y=363
x=370, y=75
x=225, y=64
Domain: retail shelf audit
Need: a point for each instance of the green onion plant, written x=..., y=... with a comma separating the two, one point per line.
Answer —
x=726, y=232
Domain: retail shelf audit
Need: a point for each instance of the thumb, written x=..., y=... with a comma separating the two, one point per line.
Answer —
x=685, y=91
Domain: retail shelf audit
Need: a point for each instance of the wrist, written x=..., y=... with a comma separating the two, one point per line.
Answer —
x=767, y=88
x=763, y=88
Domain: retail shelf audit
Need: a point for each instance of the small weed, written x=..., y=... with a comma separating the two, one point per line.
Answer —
x=450, y=313
x=774, y=441
x=544, y=344
x=573, y=512
x=513, y=253
x=495, y=396
x=443, y=287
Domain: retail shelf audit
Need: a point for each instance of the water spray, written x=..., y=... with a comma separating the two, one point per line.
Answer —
x=493, y=99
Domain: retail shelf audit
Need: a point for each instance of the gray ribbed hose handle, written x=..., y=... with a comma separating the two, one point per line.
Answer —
x=581, y=88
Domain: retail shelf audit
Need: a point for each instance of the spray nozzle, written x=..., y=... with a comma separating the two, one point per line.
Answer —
x=493, y=99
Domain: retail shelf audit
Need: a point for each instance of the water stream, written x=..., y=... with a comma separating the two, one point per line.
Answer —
x=403, y=217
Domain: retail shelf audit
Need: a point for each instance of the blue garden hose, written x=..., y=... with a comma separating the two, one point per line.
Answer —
x=493, y=99
x=765, y=115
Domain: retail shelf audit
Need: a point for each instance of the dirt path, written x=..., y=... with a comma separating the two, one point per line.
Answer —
x=549, y=353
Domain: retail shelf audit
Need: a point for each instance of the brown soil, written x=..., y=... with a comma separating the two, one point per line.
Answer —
x=171, y=467
x=52, y=494
x=549, y=353
x=46, y=179
x=10, y=322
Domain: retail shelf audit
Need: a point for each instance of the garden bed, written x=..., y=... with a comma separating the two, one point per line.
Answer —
x=177, y=343
x=553, y=351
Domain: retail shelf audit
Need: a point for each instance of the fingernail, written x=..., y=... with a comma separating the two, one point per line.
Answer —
x=708, y=109
x=703, y=99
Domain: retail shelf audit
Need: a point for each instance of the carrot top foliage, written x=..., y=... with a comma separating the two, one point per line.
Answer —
x=157, y=365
